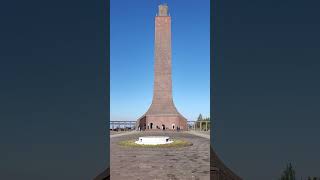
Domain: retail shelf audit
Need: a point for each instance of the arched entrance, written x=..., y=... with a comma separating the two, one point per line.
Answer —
x=173, y=126
x=142, y=123
x=151, y=124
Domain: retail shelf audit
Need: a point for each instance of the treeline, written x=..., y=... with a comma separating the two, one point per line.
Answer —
x=290, y=174
x=200, y=118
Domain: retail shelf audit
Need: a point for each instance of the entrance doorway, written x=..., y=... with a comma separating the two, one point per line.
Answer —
x=151, y=124
x=163, y=127
x=173, y=126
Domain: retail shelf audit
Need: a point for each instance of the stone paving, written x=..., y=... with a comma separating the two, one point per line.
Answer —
x=186, y=163
x=122, y=133
x=200, y=133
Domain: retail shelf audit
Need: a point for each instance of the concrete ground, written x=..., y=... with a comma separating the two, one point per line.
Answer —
x=204, y=134
x=192, y=162
x=122, y=133
x=119, y=132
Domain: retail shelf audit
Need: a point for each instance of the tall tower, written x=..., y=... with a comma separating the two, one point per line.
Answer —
x=162, y=114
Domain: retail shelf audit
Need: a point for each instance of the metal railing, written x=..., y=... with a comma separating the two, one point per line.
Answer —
x=131, y=125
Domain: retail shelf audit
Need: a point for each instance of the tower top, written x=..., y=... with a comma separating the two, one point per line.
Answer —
x=163, y=9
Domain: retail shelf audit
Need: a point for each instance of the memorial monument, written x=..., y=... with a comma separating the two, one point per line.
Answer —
x=162, y=114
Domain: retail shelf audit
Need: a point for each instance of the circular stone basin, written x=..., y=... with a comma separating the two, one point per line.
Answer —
x=154, y=140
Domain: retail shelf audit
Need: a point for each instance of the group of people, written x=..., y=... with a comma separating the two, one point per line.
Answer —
x=163, y=128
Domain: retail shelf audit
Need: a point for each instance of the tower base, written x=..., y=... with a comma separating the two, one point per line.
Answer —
x=162, y=122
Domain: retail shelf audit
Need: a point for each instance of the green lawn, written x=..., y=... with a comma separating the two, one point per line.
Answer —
x=175, y=144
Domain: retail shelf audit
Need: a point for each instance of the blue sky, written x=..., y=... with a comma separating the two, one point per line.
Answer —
x=131, y=56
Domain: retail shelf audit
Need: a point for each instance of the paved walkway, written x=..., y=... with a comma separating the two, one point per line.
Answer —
x=186, y=163
x=123, y=133
x=201, y=134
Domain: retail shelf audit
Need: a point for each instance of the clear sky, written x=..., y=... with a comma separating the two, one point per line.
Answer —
x=131, y=56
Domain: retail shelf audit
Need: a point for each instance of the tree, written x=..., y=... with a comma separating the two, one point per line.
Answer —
x=200, y=117
x=289, y=173
x=207, y=119
x=313, y=178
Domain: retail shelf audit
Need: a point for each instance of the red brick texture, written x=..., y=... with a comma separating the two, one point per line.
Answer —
x=218, y=171
x=162, y=112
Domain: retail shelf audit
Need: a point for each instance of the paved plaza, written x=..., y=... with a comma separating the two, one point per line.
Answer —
x=192, y=162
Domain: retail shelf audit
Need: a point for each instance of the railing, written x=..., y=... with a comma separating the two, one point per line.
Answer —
x=122, y=125
x=131, y=125
x=199, y=125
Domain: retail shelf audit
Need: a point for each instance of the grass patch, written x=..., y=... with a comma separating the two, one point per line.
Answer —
x=175, y=144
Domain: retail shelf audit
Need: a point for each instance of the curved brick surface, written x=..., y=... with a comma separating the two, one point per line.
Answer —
x=105, y=175
x=218, y=171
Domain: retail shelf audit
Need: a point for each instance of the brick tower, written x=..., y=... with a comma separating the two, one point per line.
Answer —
x=162, y=114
